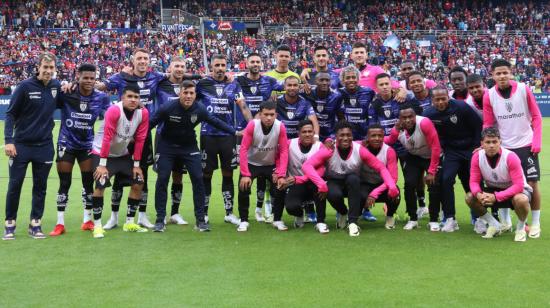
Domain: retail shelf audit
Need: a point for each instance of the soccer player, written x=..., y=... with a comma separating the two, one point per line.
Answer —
x=263, y=153
x=476, y=91
x=355, y=102
x=511, y=107
x=326, y=103
x=417, y=84
x=124, y=122
x=419, y=137
x=281, y=71
x=79, y=111
x=505, y=184
x=457, y=78
x=221, y=98
x=292, y=108
x=320, y=61
x=300, y=189
x=28, y=139
x=373, y=188
x=178, y=146
x=459, y=130
x=343, y=166
x=405, y=69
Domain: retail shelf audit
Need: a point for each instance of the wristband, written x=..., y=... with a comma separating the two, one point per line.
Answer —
x=136, y=163
x=103, y=162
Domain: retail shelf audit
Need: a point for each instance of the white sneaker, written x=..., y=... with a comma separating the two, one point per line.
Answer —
x=322, y=228
x=259, y=216
x=390, y=223
x=480, y=226
x=144, y=222
x=178, y=220
x=280, y=225
x=521, y=236
x=504, y=227
x=434, y=226
x=422, y=211
x=231, y=219
x=353, y=229
x=411, y=224
x=268, y=219
x=299, y=222
x=534, y=231
x=492, y=232
x=111, y=224
x=341, y=221
x=243, y=226
x=450, y=225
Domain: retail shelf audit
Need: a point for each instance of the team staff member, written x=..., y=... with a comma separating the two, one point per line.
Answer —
x=178, y=146
x=28, y=139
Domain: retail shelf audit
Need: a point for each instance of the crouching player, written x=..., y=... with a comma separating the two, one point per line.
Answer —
x=373, y=188
x=505, y=184
x=124, y=122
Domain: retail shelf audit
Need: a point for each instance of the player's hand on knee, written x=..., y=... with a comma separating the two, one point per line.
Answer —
x=322, y=195
x=281, y=182
x=138, y=174
x=370, y=202
x=10, y=150
x=430, y=179
x=245, y=183
x=100, y=172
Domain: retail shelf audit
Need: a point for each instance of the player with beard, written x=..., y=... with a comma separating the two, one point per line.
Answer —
x=292, y=108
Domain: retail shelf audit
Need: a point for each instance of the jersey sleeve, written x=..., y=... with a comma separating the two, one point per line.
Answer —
x=282, y=153
x=475, y=175
x=488, y=114
x=392, y=137
x=432, y=139
x=110, y=123
x=314, y=162
x=371, y=161
x=248, y=135
x=113, y=82
x=17, y=101
x=516, y=174
x=141, y=134
x=392, y=168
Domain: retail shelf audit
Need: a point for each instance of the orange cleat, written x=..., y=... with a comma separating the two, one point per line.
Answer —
x=58, y=230
x=87, y=226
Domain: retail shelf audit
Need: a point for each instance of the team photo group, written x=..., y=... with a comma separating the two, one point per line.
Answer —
x=300, y=141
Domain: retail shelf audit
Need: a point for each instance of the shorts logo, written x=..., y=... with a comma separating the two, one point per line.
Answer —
x=387, y=113
x=219, y=91
x=495, y=176
x=193, y=118
x=454, y=119
x=532, y=170
x=83, y=106
x=140, y=84
x=530, y=161
x=253, y=89
x=177, y=90
x=353, y=101
x=54, y=92
x=290, y=114
x=509, y=106
x=61, y=152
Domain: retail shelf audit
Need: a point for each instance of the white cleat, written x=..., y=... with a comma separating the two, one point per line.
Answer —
x=232, y=219
x=111, y=224
x=279, y=225
x=353, y=229
x=411, y=224
x=259, y=216
x=144, y=222
x=450, y=225
x=434, y=226
x=521, y=236
x=269, y=219
x=299, y=222
x=341, y=221
x=504, y=227
x=243, y=226
x=422, y=211
x=534, y=231
x=480, y=226
x=492, y=232
x=178, y=220
x=390, y=223
x=322, y=228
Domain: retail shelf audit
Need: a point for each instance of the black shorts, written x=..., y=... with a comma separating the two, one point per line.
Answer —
x=67, y=155
x=222, y=146
x=506, y=204
x=121, y=167
x=147, y=157
x=529, y=163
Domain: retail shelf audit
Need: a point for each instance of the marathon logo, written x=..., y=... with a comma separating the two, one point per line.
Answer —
x=511, y=116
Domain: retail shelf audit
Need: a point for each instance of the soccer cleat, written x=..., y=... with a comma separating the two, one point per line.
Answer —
x=259, y=216
x=9, y=233
x=422, y=211
x=178, y=220
x=534, y=231
x=202, y=227
x=480, y=226
x=231, y=219
x=111, y=224
x=269, y=219
x=280, y=225
x=36, y=232
x=299, y=222
x=58, y=230
x=144, y=222
x=98, y=232
x=311, y=218
x=521, y=236
x=411, y=224
x=243, y=226
x=353, y=229
x=322, y=228
x=367, y=215
x=390, y=223
x=492, y=232
x=434, y=226
x=504, y=227
x=450, y=225
x=206, y=220
x=133, y=227
x=159, y=227
x=87, y=226
x=268, y=209
x=341, y=221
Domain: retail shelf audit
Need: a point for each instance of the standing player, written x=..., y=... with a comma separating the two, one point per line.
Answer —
x=459, y=130
x=343, y=166
x=476, y=91
x=320, y=61
x=505, y=184
x=511, y=108
x=28, y=139
x=405, y=69
x=79, y=111
x=178, y=146
x=457, y=78
x=419, y=137
x=281, y=71
x=417, y=84
x=292, y=108
x=125, y=122
x=263, y=153
x=355, y=102
x=221, y=99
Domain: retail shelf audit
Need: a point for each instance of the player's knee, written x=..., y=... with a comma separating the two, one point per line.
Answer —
x=469, y=199
x=520, y=199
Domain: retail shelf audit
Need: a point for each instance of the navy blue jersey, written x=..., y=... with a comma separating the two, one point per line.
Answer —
x=334, y=78
x=355, y=108
x=147, y=87
x=292, y=114
x=458, y=127
x=219, y=98
x=326, y=110
x=78, y=116
x=423, y=104
x=29, y=118
x=255, y=92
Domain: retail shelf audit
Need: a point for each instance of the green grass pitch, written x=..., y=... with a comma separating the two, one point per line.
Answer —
x=263, y=267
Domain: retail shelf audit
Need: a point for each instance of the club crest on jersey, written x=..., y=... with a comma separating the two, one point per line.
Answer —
x=411, y=142
x=219, y=91
x=320, y=108
x=253, y=89
x=193, y=118
x=54, y=92
x=495, y=176
x=353, y=101
x=127, y=129
x=454, y=119
x=290, y=114
x=177, y=90
x=140, y=84
x=509, y=106
x=83, y=106
x=387, y=113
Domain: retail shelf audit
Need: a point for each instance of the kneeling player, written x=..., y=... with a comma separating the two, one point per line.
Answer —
x=343, y=166
x=373, y=188
x=506, y=187
x=124, y=122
